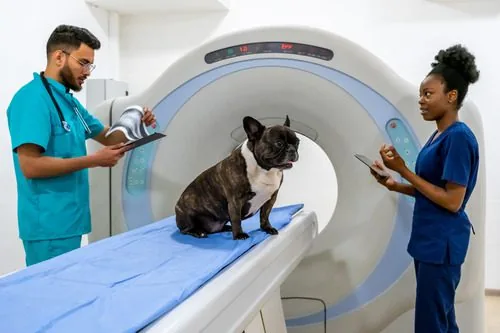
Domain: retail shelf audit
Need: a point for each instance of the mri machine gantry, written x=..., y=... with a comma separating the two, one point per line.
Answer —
x=346, y=101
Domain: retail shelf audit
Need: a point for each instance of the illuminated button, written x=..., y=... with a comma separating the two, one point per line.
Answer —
x=398, y=139
x=406, y=140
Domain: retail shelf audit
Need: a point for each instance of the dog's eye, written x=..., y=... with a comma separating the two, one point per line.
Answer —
x=279, y=144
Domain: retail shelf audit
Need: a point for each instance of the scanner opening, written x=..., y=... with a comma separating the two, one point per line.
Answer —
x=209, y=126
x=312, y=181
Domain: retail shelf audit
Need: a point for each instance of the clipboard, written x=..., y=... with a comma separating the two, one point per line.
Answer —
x=365, y=160
x=145, y=140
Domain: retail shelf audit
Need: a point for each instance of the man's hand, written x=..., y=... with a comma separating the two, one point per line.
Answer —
x=149, y=118
x=109, y=155
x=118, y=137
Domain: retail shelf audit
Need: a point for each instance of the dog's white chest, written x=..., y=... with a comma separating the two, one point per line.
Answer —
x=262, y=182
x=263, y=185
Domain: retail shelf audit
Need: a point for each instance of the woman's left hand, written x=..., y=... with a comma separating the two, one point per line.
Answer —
x=392, y=159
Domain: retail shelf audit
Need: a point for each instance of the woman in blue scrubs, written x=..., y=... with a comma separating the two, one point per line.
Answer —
x=445, y=175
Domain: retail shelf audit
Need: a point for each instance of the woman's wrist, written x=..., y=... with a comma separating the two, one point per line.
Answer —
x=405, y=172
x=393, y=187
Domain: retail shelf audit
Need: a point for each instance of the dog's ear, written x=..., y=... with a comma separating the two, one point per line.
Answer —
x=287, y=121
x=253, y=128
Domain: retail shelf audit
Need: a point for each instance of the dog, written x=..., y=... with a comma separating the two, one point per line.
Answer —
x=238, y=186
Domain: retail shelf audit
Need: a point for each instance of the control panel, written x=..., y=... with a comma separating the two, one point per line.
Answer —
x=137, y=172
x=401, y=140
x=404, y=144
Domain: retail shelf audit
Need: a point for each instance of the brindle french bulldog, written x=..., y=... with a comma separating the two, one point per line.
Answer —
x=238, y=186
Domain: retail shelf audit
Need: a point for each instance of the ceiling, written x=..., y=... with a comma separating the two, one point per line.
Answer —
x=155, y=6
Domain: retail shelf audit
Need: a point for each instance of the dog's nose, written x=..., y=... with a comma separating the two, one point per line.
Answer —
x=292, y=154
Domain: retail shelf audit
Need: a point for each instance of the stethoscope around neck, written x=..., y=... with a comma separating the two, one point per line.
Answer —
x=64, y=123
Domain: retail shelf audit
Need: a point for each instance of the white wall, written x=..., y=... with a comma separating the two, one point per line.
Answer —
x=405, y=34
x=395, y=31
x=25, y=27
x=149, y=43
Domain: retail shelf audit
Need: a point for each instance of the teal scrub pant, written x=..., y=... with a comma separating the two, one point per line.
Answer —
x=41, y=250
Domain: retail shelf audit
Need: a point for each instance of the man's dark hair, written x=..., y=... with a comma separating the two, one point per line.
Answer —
x=69, y=38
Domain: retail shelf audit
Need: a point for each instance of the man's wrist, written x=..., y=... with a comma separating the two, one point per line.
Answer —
x=90, y=161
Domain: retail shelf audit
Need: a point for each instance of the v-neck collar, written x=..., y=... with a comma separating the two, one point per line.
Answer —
x=58, y=86
x=433, y=138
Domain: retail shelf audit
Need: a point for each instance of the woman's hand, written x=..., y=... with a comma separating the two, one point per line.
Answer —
x=392, y=159
x=388, y=182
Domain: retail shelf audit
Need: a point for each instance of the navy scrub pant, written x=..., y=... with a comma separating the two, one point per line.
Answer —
x=435, y=302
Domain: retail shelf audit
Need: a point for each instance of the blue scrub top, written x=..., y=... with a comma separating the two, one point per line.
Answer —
x=439, y=235
x=54, y=207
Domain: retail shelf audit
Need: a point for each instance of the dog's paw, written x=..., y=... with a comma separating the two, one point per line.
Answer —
x=270, y=230
x=197, y=234
x=241, y=236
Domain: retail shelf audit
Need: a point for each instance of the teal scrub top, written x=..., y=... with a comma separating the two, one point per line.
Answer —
x=55, y=207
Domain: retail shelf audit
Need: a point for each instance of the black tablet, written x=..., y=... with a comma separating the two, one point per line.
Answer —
x=369, y=164
x=145, y=140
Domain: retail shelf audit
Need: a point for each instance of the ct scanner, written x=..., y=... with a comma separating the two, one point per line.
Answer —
x=341, y=264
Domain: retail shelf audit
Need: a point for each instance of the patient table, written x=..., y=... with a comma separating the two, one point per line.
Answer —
x=154, y=279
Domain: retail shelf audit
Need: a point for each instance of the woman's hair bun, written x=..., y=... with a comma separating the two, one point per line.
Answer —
x=460, y=59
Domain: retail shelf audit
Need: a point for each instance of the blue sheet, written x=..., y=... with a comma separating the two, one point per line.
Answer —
x=123, y=283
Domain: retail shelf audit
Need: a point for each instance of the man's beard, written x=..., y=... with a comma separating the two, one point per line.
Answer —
x=69, y=80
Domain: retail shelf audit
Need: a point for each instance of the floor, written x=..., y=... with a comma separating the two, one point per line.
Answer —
x=492, y=314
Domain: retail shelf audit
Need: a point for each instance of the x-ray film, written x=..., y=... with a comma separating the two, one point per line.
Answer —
x=130, y=123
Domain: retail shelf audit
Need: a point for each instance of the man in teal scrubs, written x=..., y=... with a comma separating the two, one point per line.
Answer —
x=49, y=128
